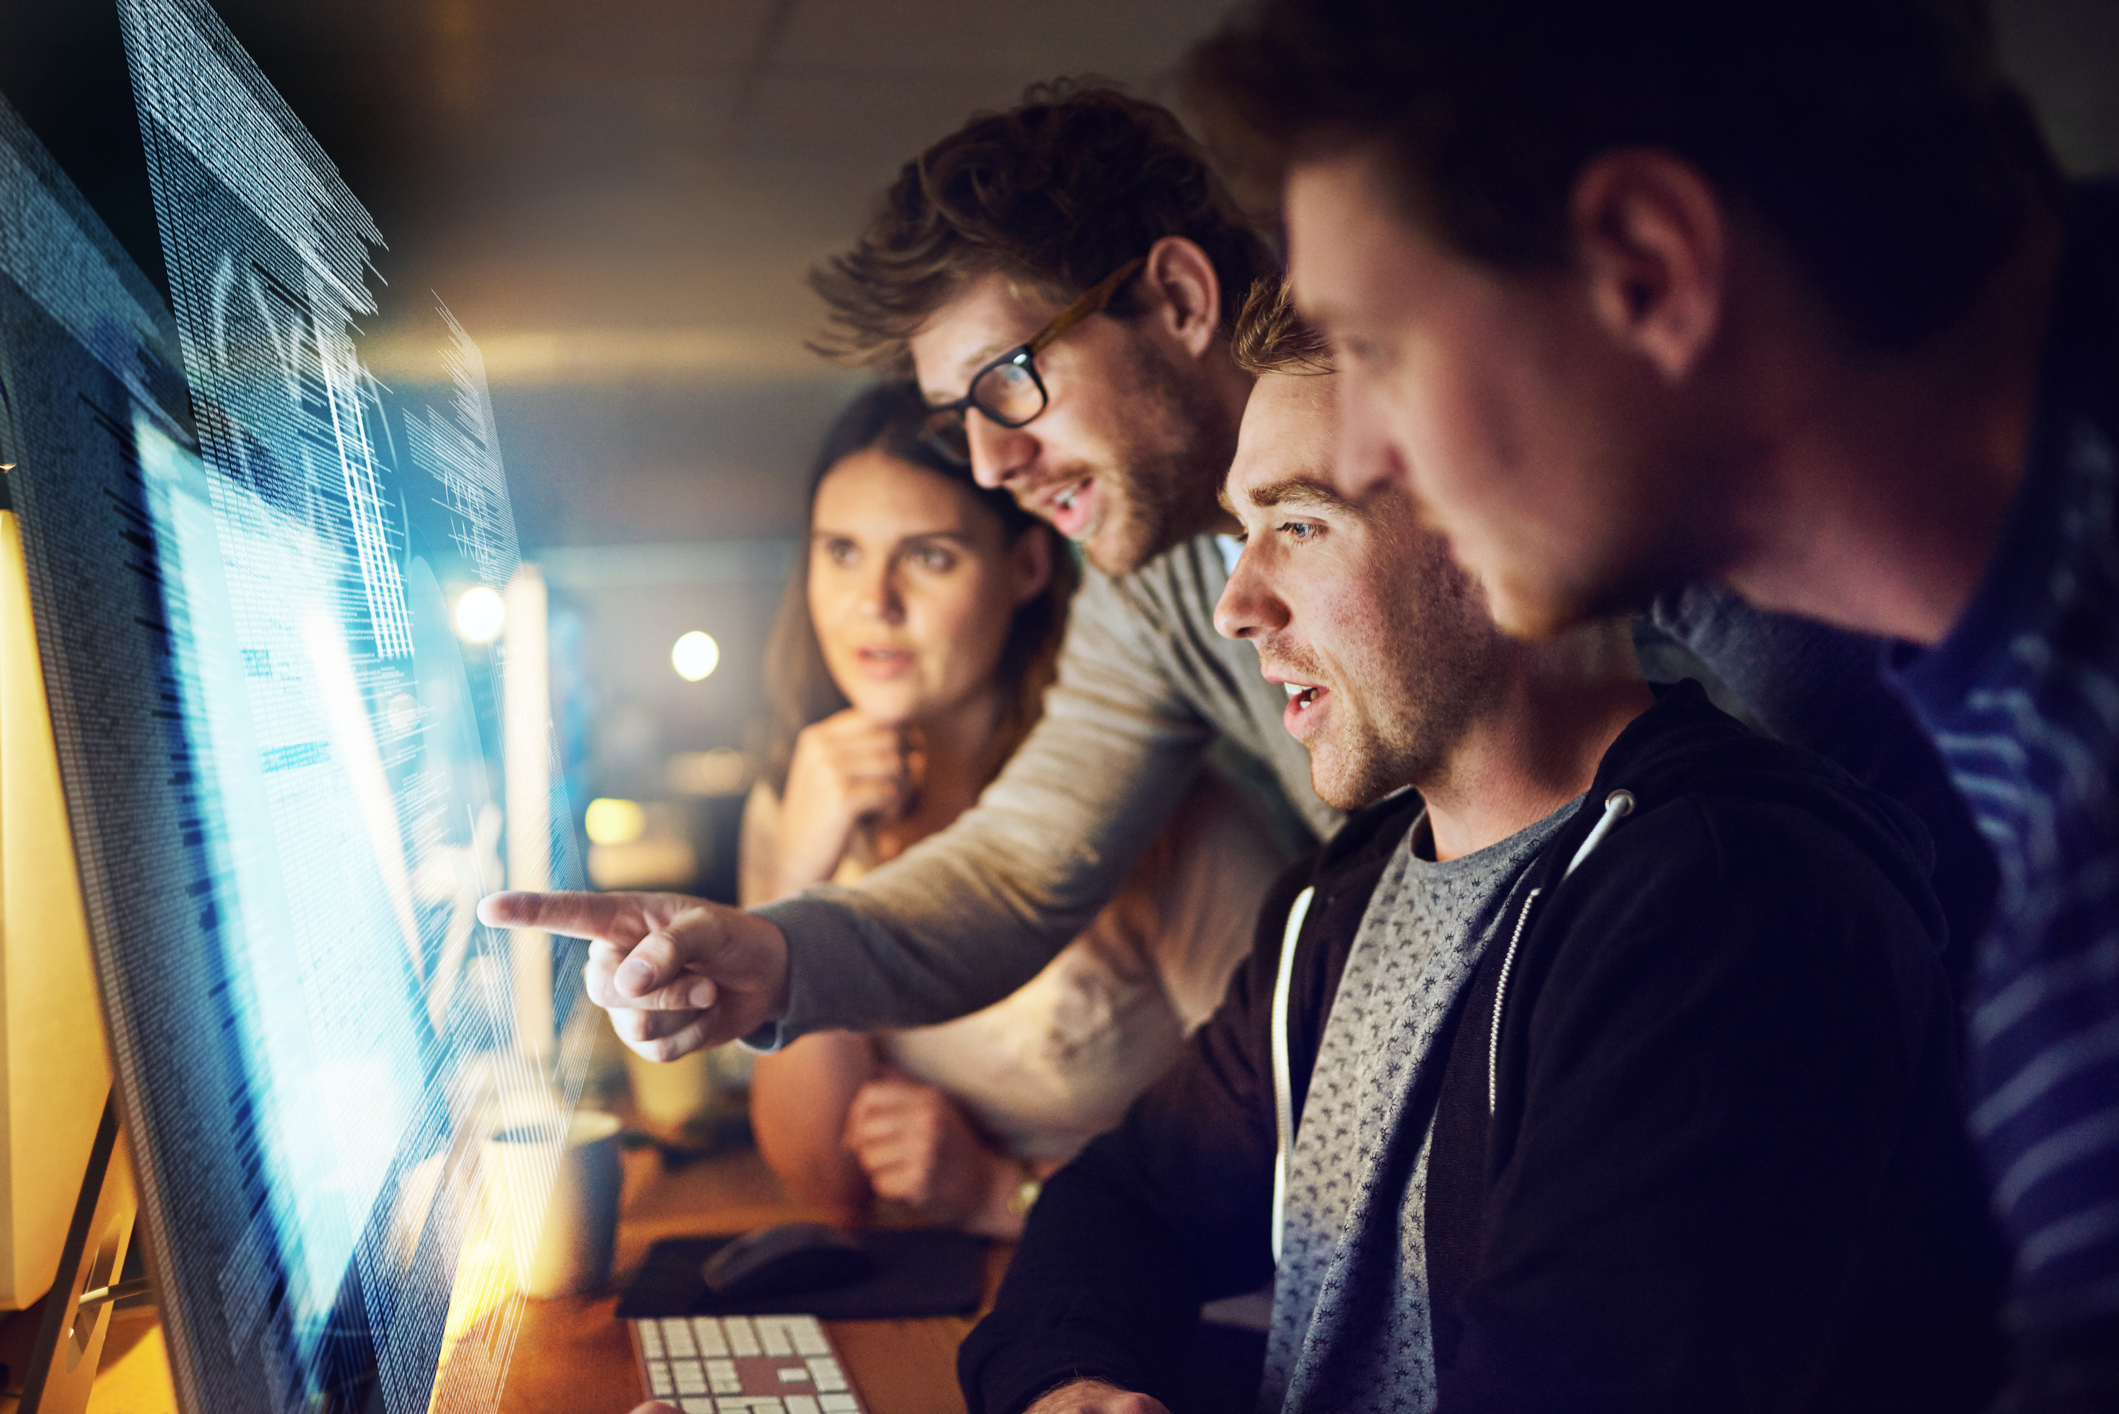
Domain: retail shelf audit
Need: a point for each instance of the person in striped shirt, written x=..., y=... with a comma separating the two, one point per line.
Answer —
x=1788, y=297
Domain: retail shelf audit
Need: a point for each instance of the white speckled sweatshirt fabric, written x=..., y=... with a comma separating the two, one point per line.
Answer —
x=1350, y=1309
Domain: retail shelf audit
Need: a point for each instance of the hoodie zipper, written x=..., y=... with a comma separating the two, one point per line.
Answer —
x=1617, y=805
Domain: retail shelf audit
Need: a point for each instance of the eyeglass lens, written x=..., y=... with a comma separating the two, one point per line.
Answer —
x=1009, y=392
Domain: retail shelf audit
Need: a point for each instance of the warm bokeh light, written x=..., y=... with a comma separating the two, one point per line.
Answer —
x=695, y=656
x=724, y=771
x=611, y=821
x=479, y=614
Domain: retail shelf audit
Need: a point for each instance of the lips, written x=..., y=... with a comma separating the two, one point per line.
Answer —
x=1305, y=701
x=1071, y=507
x=882, y=662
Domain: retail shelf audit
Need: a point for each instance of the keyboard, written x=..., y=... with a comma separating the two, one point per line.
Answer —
x=743, y=1365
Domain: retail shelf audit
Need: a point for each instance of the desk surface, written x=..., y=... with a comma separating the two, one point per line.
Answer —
x=572, y=1356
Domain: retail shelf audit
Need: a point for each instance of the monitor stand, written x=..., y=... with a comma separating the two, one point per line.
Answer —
x=75, y=1316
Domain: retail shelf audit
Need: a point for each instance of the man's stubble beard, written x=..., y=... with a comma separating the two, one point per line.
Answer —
x=1178, y=447
x=1439, y=664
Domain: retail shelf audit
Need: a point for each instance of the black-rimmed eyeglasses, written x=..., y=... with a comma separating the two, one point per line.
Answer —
x=1008, y=391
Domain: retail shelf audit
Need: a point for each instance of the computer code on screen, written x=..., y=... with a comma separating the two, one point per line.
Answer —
x=291, y=771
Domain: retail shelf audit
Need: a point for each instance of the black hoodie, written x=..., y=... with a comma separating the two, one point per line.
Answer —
x=1724, y=1168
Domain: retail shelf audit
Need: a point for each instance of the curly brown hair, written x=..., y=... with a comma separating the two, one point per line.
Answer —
x=1055, y=193
x=1272, y=336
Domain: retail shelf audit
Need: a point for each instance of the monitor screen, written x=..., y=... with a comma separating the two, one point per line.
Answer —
x=296, y=676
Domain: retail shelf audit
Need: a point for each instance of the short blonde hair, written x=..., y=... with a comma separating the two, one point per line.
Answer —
x=1272, y=336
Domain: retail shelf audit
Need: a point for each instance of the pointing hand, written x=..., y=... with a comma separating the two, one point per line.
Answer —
x=676, y=973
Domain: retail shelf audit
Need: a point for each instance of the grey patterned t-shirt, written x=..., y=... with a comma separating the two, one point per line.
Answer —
x=1350, y=1311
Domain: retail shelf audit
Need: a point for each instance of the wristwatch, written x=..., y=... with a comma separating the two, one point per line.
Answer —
x=1027, y=1187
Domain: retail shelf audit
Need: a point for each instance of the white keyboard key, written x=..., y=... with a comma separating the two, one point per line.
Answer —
x=691, y=1362
x=808, y=1335
x=772, y=1335
x=677, y=1335
x=707, y=1332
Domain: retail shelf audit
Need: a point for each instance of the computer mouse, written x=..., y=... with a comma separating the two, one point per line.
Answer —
x=785, y=1260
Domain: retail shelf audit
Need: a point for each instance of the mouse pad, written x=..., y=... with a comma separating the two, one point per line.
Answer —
x=918, y=1273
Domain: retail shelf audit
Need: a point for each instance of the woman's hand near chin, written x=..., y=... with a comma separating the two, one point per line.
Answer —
x=846, y=769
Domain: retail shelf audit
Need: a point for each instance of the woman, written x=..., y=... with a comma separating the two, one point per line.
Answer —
x=909, y=660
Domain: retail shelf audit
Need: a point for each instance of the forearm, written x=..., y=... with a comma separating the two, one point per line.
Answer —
x=798, y=1104
x=968, y=915
x=1169, y=1210
x=1101, y=1288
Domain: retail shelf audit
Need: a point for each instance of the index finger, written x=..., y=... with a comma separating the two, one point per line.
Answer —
x=576, y=915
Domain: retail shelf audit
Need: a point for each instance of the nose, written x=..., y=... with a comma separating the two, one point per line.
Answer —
x=1248, y=606
x=882, y=598
x=998, y=453
x=1368, y=458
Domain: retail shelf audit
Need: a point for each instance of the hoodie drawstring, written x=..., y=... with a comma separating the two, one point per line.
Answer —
x=1283, y=1082
x=1619, y=803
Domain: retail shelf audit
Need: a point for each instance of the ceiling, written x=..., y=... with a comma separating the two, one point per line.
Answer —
x=620, y=198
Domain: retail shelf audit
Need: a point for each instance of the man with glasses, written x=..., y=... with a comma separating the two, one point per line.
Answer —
x=1062, y=279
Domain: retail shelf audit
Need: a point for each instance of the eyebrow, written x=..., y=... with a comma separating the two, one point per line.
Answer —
x=974, y=362
x=1293, y=491
x=960, y=536
x=1320, y=313
x=968, y=368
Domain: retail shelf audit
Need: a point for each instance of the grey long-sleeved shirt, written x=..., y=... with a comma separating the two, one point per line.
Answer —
x=968, y=915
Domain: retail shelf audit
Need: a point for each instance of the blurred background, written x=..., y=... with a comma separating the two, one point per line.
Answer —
x=619, y=199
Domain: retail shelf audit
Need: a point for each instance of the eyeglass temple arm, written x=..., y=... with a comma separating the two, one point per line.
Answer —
x=1094, y=299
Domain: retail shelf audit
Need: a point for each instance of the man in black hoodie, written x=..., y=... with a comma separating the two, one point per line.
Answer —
x=1614, y=1070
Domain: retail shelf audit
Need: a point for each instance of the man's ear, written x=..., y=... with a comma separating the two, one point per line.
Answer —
x=1182, y=293
x=1032, y=553
x=1653, y=240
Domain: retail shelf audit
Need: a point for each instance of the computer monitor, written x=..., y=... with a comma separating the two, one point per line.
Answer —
x=280, y=744
x=66, y=1205
x=66, y=1195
